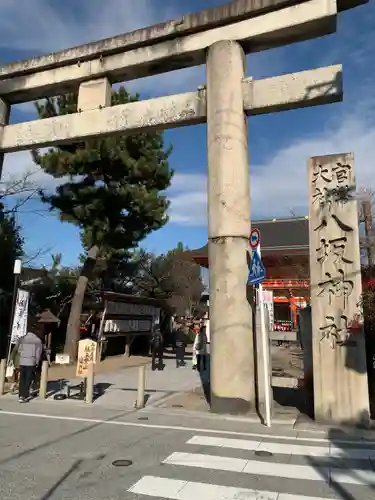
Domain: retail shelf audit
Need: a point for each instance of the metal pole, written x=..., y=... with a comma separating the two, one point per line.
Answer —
x=100, y=335
x=3, y=367
x=90, y=384
x=43, y=380
x=265, y=352
x=141, y=387
x=16, y=282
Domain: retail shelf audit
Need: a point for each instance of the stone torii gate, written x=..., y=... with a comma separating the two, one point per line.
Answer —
x=220, y=38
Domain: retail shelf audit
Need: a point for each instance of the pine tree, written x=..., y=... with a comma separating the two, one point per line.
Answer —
x=113, y=193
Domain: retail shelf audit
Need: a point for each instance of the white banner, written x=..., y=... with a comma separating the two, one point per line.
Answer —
x=19, y=328
x=268, y=302
x=127, y=325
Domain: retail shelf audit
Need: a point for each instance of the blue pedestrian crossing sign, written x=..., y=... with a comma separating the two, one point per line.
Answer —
x=257, y=272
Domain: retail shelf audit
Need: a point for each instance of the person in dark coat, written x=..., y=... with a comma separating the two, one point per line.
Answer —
x=200, y=347
x=30, y=350
x=45, y=356
x=180, y=344
x=157, y=347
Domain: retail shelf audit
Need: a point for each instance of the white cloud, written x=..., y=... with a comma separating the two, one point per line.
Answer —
x=39, y=28
x=279, y=185
x=188, y=199
x=19, y=165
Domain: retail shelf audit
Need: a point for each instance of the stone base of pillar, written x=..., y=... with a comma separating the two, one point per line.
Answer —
x=232, y=355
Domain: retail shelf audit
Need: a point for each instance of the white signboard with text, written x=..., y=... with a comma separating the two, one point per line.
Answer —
x=127, y=325
x=19, y=328
x=126, y=309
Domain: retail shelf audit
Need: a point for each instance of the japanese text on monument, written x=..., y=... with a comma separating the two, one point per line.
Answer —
x=332, y=187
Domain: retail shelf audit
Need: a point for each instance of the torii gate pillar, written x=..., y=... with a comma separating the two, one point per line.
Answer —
x=232, y=360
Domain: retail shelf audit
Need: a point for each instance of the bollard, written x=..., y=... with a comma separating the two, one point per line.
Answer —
x=3, y=369
x=90, y=384
x=141, y=387
x=43, y=380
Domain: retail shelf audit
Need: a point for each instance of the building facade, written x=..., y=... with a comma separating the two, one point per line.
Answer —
x=285, y=254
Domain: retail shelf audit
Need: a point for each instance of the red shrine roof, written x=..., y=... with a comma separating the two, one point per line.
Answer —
x=277, y=237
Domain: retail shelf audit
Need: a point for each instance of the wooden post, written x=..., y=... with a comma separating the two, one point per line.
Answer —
x=141, y=387
x=90, y=384
x=3, y=367
x=43, y=380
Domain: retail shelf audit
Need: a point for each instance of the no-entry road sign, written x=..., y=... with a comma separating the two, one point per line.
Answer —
x=254, y=238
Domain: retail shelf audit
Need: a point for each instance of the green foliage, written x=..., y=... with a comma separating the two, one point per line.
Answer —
x=11, y=248
x=171, y=277
x=113, y=188
x=55, y=290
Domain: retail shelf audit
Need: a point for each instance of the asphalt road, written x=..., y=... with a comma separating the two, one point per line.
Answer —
x=50, y=451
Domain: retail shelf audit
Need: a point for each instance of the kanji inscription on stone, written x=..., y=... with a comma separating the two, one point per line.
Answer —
x=335, y=286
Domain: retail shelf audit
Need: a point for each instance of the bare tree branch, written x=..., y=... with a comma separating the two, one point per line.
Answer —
x=21, y=190
x=29, y=259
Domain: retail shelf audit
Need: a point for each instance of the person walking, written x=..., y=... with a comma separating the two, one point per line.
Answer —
x=200, y=348
x=157, y=348
x=180, y=344
x=30, y=349
x=195, y=329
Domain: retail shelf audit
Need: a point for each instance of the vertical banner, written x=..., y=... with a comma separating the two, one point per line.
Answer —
x=268, y=302
x=19, y=327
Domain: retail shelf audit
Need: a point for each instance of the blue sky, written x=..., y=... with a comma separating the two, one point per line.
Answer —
x=279, y=144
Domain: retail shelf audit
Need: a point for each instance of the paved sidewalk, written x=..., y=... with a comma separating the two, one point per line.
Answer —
x=118, y=390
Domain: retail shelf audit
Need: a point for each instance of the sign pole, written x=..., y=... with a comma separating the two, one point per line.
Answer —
x=265, y=352
x=16, y=281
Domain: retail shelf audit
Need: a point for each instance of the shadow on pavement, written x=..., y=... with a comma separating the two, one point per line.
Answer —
x=56, y=386
x=294, y=398
x=58, y=483
x=343, y=458
x=60, y=438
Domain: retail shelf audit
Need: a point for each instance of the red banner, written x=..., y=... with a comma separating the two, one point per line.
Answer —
x=286, y=283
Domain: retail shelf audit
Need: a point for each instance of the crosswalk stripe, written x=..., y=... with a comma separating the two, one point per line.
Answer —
x=285, y=448
x=175, y=489
x=289, y=471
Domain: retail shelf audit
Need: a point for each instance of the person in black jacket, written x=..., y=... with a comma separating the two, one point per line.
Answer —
x=180, y=339
x=157, y=347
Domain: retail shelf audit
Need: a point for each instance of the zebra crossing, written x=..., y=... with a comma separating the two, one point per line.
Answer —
x=331, y=470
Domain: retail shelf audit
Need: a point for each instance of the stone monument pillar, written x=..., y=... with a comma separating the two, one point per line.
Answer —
x=339, y=357
x=232, y=363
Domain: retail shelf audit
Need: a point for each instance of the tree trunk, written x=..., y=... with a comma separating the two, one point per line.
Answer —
x=367, y=212
x=72, y=331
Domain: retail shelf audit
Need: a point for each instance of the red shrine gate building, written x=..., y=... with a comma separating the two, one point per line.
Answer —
x=285, y=254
